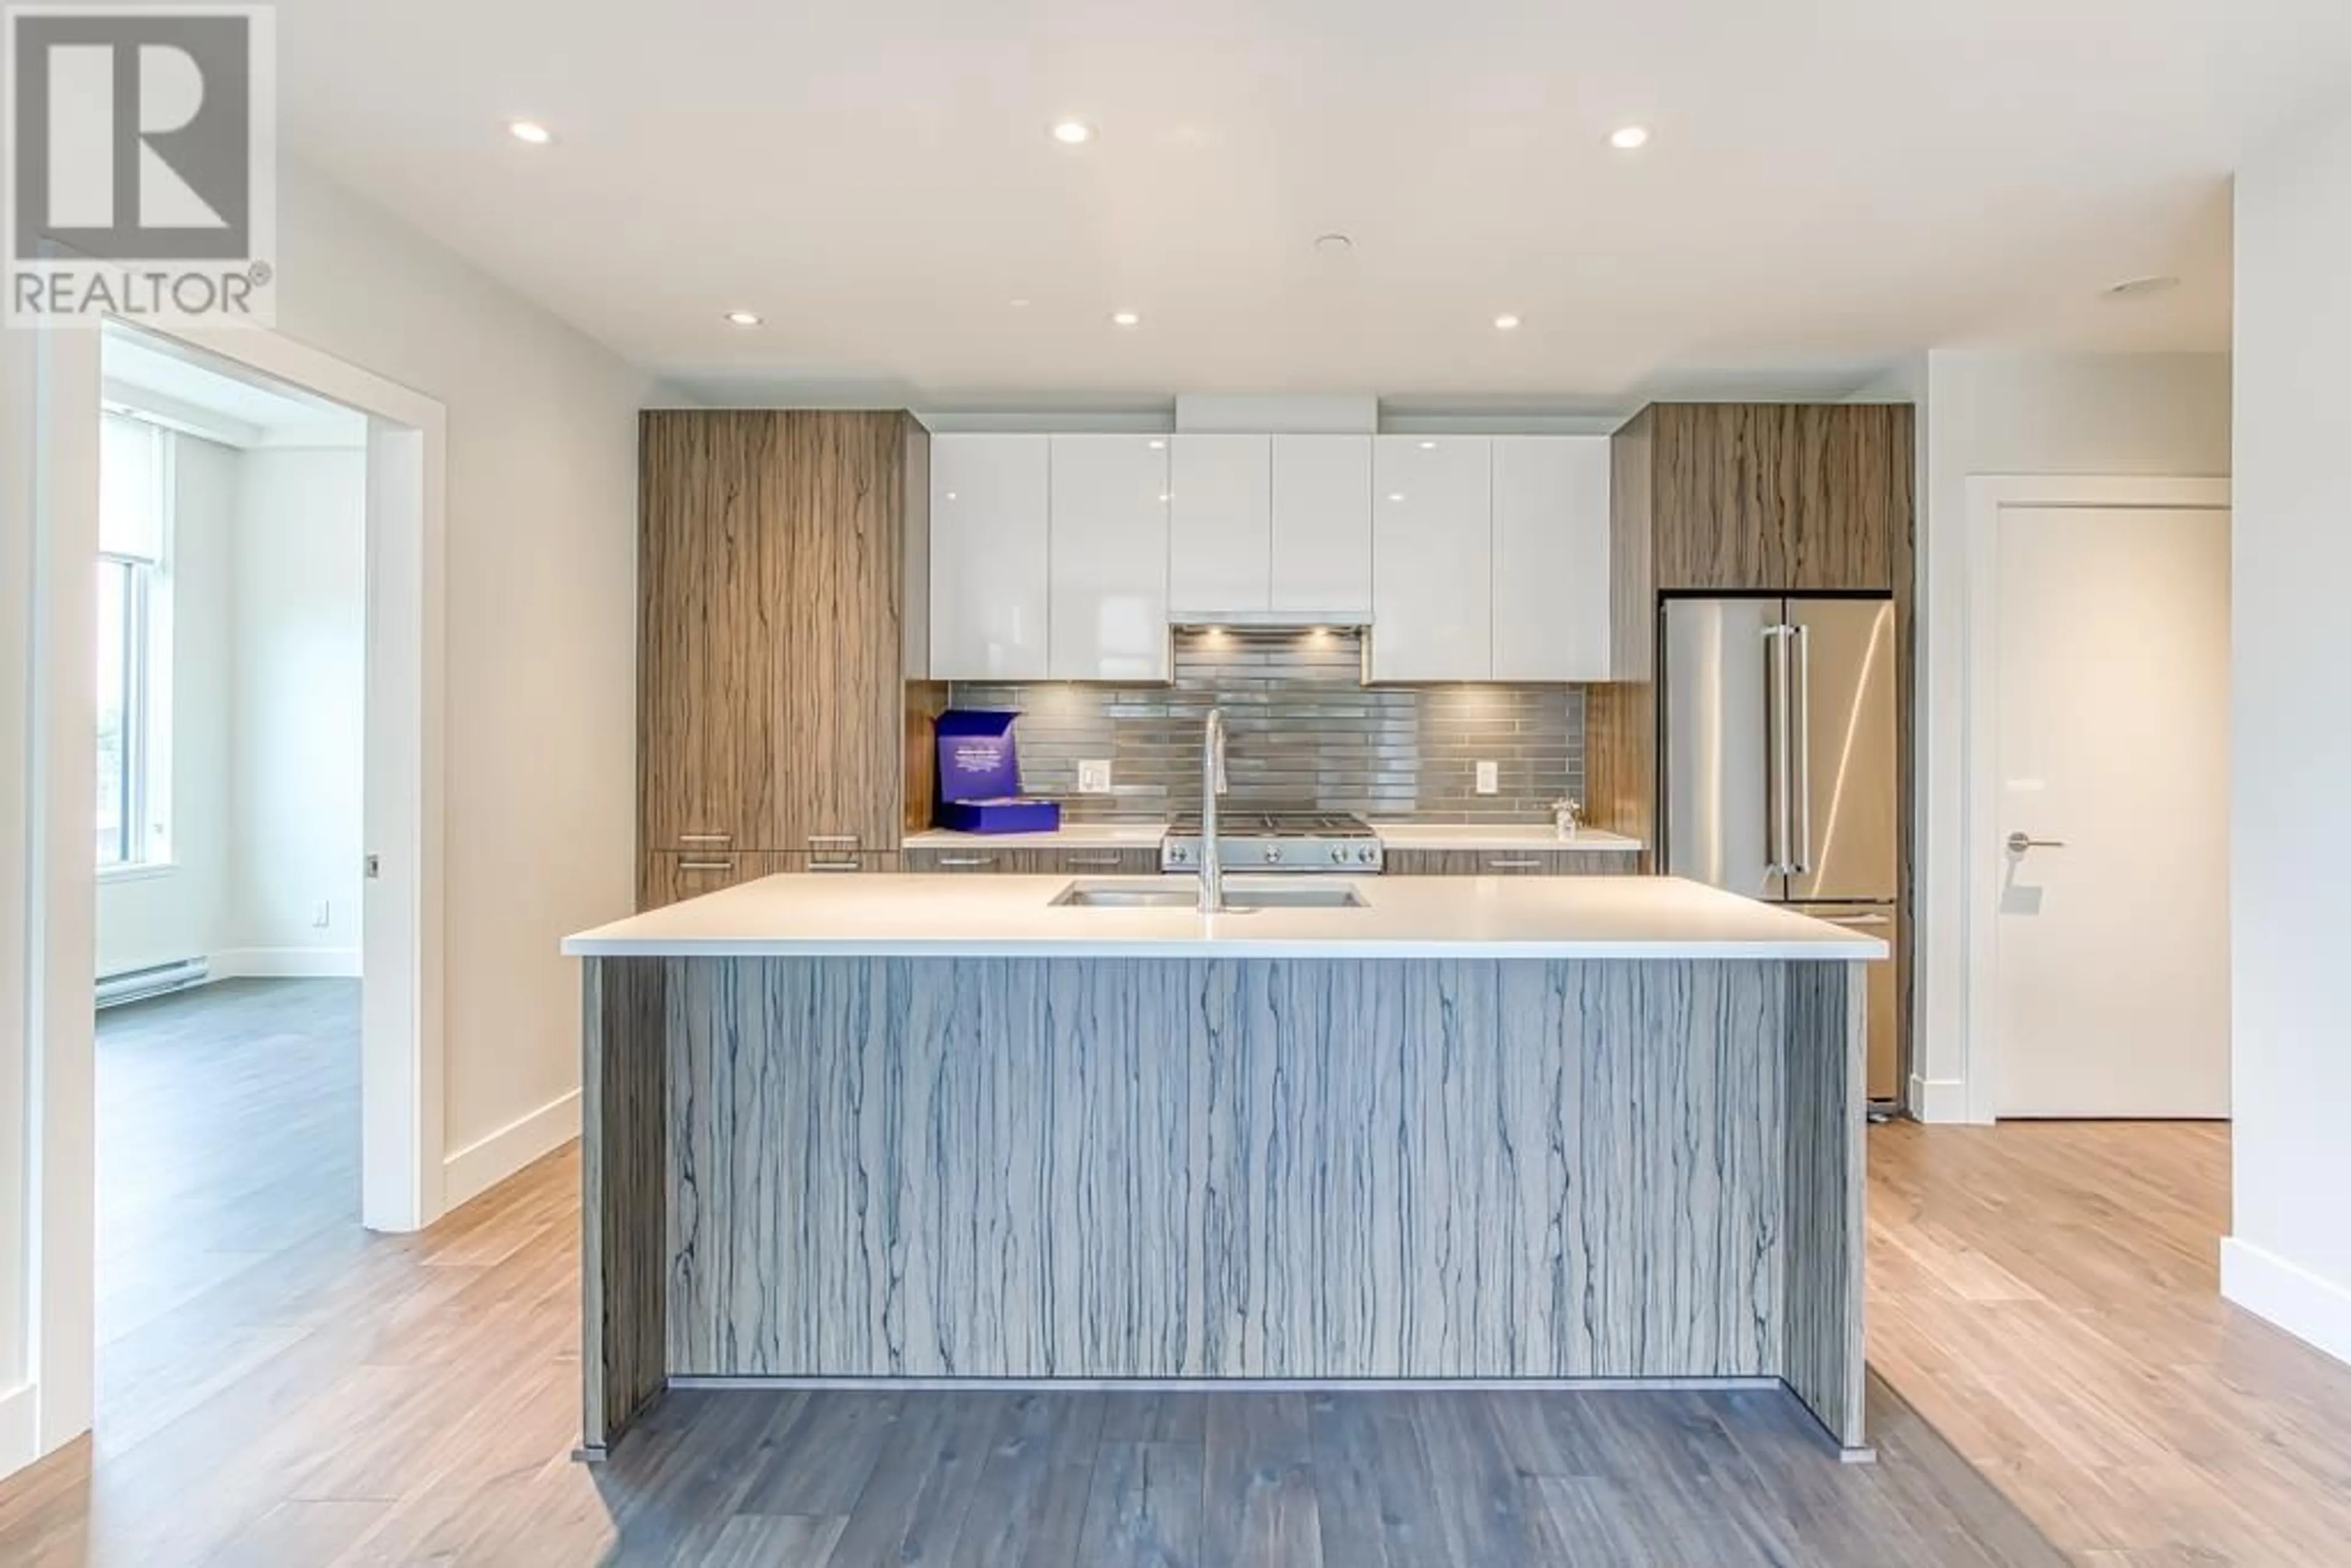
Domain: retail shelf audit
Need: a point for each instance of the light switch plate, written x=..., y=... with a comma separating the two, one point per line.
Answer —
x=1093, y=777
x=323, y=916
x=1489, y=777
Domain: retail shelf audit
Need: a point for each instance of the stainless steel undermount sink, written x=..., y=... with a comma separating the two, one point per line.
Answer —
x=1240, y=898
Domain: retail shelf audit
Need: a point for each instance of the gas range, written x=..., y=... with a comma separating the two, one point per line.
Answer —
x=1329, y=842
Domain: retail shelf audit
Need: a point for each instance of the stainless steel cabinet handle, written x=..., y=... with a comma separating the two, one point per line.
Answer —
x=2020, y=842
x=1094, y=859
x=849, y=838
x=1801, y=748
x=835, y=864
x=1857, y=919
x=705, y=838
x=1514, y=865
x=966, y=860
x=705, y=865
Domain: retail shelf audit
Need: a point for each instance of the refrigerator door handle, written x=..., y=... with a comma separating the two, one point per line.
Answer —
x=1780, y=781
x=1802, y=746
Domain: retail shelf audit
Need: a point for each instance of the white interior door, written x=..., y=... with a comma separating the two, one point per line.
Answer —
x=2111, y=939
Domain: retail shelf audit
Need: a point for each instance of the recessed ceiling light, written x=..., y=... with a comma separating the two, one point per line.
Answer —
x=1396, y=495
x=2139, y=287
x=1506, y=323
x=1020, y=305
x=529, y=130
x=1429, y=446
x=1629, y=138
x=1333, y=244
x=1072, y=133
x=743, y=317
x=1125, y=318
x=1157, y=446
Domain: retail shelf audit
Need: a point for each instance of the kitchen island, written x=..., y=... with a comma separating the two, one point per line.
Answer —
x=1014, y=1128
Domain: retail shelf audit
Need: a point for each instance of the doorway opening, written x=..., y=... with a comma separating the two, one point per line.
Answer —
x=88, y=570
x=231, y=619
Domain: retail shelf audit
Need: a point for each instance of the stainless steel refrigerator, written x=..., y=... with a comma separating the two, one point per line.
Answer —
x=1779, y=768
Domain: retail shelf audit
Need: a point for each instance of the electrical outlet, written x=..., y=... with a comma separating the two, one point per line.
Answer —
x=322, y=916
x=1489, y=777
x=1093, y=777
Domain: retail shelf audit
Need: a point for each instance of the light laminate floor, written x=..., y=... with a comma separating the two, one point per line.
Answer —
x=2047, y=1295
x=280, y=1387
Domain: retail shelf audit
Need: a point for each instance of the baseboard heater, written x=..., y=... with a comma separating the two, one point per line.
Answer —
x=134, y=985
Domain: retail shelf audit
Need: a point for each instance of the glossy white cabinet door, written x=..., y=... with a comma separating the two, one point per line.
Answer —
x=1432, y=558
x=1550, y=558
x=1322, y=527
x=1109, y=557
x=1219, y=526
x=990, y=566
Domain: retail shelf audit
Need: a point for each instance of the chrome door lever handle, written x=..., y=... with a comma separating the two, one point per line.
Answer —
x=2020, y=842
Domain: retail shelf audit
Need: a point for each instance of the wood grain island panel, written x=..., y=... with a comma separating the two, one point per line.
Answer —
x=1326, y=1170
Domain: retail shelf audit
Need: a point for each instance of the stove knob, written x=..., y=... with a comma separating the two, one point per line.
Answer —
x=1179, y=854
x=1339, y=854
x=1366, y=854
x=1273, y=854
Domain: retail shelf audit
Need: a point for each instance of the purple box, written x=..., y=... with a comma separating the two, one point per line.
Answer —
x=979, y=777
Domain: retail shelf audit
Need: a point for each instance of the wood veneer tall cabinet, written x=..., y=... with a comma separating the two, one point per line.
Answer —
x=1738, y=498
x=1749, y=498
x=771, y=586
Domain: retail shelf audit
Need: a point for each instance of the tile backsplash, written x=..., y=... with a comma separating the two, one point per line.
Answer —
x=1304, y=732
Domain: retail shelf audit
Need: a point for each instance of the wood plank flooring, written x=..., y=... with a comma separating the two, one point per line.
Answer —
x=309, y=1395
x=2047, y=1295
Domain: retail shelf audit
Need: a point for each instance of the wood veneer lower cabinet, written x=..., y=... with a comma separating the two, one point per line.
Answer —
x=981, y=860
x=665, y=878
x=1511, y=863
x=672, y=878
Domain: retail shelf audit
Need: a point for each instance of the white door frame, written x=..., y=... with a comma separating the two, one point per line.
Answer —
x=1989, y=495
x=402, y=1066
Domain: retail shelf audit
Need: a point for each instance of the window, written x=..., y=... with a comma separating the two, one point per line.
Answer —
x=134, y=509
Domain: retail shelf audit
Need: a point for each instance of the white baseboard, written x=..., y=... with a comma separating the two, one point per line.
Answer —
x=20, y=1442
x=285, y=963
x=2312, y=1308
x=482, y=1164
x=1939, y=1099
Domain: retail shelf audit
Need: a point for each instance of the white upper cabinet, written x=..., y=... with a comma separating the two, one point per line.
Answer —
x=1220, y=521
x=1550, y=558
x=990, y=534
x=1322, y=527
x=1432, y=559
x=1108, y=591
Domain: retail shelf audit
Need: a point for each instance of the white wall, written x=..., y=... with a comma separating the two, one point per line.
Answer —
x=539, y=744
x=267, y=719
x=541, y=639
x=299, y=735
x=178, y=912
x=1998, y=412
x=2290, y=1256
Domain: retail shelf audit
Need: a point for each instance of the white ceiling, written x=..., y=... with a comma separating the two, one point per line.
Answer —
x=1833, y=183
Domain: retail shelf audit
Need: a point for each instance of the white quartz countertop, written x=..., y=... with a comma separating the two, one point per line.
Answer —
x=817, y=915
x=1394, y=835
